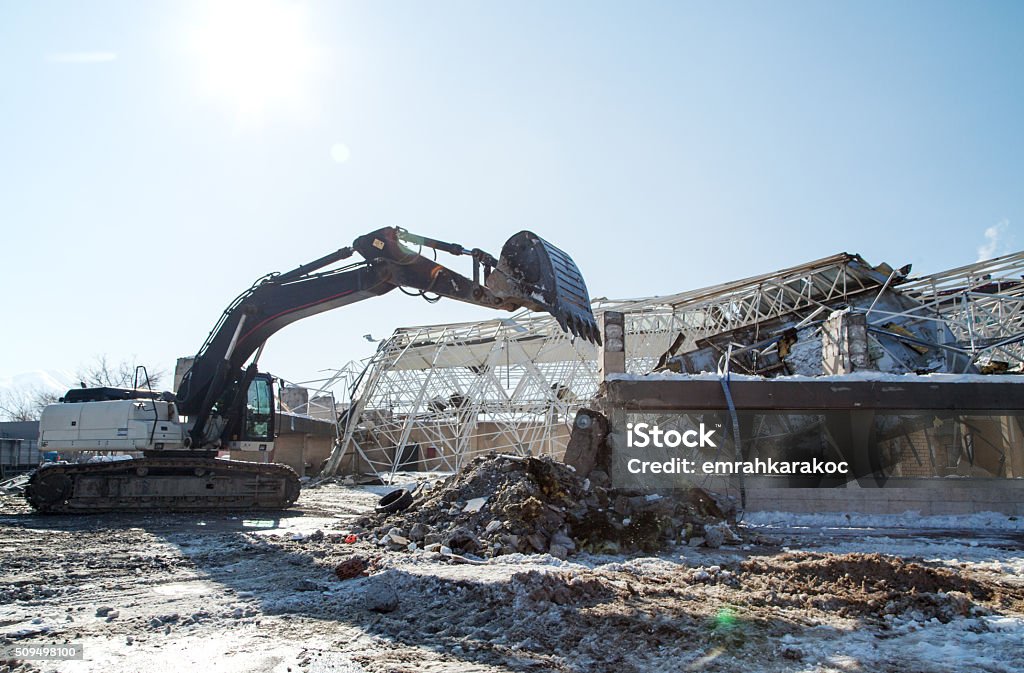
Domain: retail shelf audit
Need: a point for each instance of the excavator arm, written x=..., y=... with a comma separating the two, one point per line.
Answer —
x=229, y=403
x=531, y=273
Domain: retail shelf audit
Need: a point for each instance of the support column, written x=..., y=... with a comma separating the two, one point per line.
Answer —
x=844, y=343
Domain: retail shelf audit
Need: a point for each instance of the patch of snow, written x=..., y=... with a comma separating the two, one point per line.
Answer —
x=909, y=519
x=960, y=645
x=106, y=459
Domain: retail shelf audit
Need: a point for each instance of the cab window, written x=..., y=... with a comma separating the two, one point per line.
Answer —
x=258, y=411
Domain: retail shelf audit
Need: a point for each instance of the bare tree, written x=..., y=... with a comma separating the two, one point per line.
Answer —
x=101, y=372
x=25, y=404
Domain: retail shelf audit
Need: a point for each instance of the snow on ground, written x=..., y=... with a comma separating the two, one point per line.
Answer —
x=986, y=540
x=258, y=592
x=983, y=544
x=975, y=522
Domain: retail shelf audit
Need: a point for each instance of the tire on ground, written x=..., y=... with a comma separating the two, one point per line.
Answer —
x=395, y=501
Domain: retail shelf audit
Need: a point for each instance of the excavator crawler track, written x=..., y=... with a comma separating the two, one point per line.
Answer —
x=161, y=484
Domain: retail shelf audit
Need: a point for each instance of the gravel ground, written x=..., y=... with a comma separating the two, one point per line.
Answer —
x=258, y=592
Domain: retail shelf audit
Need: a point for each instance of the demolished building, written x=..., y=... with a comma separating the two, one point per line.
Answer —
x=434, y=396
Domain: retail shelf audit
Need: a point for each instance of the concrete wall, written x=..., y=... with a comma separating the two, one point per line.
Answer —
x=181, y=368
x=926, y=496
x=302, y=443
x=17, y=453
x=303, y=453
x=20, y=429
x=19, y=446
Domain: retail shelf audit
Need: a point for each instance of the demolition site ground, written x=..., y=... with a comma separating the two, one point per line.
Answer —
x=296, y=592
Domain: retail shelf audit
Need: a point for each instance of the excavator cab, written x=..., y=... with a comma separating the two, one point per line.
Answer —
x=257, y=427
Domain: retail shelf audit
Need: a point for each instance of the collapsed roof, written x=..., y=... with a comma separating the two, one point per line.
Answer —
x=502, y=371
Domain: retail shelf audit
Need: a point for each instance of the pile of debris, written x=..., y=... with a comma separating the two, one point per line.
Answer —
x=14, y=485
x=502, y=504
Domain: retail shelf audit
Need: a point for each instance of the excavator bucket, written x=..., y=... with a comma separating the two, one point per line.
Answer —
x=535, y=274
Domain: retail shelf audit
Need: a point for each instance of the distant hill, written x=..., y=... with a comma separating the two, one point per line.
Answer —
x=57, y=380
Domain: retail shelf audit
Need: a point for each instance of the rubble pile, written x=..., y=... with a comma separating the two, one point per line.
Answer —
x=14, y=485
x=503, y=504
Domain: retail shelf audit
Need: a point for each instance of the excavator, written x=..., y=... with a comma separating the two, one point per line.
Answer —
x=224, y=403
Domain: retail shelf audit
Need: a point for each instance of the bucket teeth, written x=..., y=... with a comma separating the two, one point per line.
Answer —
x=533, y=273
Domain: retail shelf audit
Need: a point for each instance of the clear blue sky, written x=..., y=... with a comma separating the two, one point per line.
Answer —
x=159, y=156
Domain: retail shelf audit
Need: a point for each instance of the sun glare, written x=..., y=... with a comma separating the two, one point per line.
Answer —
x=256, y=56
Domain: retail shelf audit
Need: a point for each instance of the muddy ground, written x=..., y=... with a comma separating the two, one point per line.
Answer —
x=259, y=593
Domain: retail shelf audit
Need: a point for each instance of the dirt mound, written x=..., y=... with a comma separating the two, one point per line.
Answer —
x=875, y=572
x=507, y=504
x=863, y=585
x=558, y=588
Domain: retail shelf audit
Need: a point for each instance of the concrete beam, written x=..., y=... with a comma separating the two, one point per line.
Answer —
x=654, y=395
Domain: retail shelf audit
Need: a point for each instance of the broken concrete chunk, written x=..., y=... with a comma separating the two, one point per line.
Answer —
x=384, y=599
x=713, y=537
x=237, y=613
x=462, y=539
x=718, y=534
x=563, y=540
x=418, y=532
x=538, y=542
x=474, y=505
x=307, y=585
